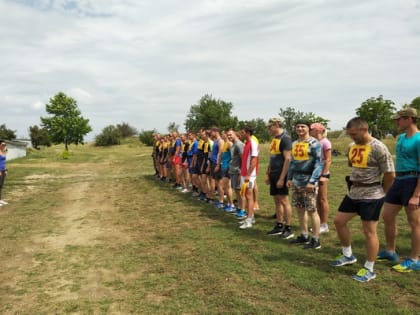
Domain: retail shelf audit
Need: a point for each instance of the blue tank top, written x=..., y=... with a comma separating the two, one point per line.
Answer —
x=2, y=162
x=214, y=151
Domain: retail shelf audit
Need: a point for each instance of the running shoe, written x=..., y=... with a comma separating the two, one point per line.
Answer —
x=364, y=275
x=229, y=208
x=386, y=255
x=287, y=234
x=241, y=214
x=407, y=265
x=300, y=240
x=2, y=202
x=313, y=244
x=247, y=224
x=277, y=230
x=342, y=260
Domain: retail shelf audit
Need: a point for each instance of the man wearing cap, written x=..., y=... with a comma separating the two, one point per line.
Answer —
x=303, y=175
x=318, y=131
x=404, y=192
x=276, y=177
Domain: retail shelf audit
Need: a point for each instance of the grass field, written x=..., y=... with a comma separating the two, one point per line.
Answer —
x=97, y=234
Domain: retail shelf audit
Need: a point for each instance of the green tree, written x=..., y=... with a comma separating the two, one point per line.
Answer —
x=259, y=127
x=291, y=116
x=210, y=112
x=110, y=135
x=126, y=130
x=6, y=133
x=39, y=136
x=378, y=114
x=415, y=103
x=172, y=127
x=66, y=125
x=146, y=137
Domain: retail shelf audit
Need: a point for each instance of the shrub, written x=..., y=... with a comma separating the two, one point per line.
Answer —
x=110, y=135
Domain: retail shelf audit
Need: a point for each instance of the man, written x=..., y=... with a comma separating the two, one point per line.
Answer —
x=303, y=175
x=176, y=159
x=215, y=174
x=405, y=192
x=276, y=176
x=249, y=171
x=3, y=169
x=236, y=152
x=372, y=173
x=318, y=131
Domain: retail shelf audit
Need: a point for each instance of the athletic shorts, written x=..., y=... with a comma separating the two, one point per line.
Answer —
x=197, y=168
x=368, y=210
x=304, y=200
x=176, y=160
x=216, y=175
x=251, y=182
x=235, y=181
x=401, y=191
x=274, y=190
x=225, y=173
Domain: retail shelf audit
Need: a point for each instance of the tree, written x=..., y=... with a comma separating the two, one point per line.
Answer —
x=126, y=130
x=259, y=127
x=146, y=137
x=66, y=125
x=378, y=114
x=173, y=127
x=415, y=103
x=292, y=116
x=39, y=136
x=209, y=113
x=6, y=133
x=110, y=135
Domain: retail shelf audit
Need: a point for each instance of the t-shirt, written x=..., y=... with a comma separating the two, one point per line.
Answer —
x=236, y=151
x=250, y=150
x=306, y=165
x=368, y=163
x=325, y=146
x=279, y=144
x=407, y=152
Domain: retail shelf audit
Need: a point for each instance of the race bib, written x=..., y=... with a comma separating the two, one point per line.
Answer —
x=300, y=151
x=275, y=146
x=358, y=155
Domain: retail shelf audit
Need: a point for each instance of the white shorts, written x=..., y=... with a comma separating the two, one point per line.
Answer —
x=251, y=182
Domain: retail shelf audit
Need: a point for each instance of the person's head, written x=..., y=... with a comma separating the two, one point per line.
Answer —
x=191, y=135
x=3, y=145
x=231, y=135
x=358, y=129
x=406, y=117
x=302, y=128
x=275, y=125
x=317, y=130
x=214, y=133
x=246, y=132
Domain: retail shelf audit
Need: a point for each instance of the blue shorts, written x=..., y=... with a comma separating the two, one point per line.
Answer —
x=401, y=191
x=368, y=210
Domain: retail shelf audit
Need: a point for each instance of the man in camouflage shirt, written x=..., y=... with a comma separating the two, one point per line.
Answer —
x=372, y=174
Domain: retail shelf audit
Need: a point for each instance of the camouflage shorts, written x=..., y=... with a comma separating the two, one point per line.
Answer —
x=303, y=199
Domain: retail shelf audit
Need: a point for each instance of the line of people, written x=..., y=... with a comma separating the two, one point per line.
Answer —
x=214, y=165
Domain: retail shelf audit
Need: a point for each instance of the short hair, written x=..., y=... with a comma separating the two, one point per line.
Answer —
x=357, y=122
x=248, y=129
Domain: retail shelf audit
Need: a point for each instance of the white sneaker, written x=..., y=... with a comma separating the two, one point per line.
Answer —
x=2, y=202
x=185, y=190
x=324, y=229
x=247, y=224
x=244, y=220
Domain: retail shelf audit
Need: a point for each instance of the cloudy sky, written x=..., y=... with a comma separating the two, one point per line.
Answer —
x=146, y=62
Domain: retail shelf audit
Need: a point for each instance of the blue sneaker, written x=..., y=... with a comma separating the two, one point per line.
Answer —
x=364, y=275
x=219, y=205
x=407, y=265
x=342, y=260
x=241, y=214
x=386, y=255
x=229, y=208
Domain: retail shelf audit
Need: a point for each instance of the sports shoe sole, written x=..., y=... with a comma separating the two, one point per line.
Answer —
x=350, y=262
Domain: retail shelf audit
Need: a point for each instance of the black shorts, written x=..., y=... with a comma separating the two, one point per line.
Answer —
x=368, y=210
x=274, y=190
x=216, y=175
x=401, y=191
x=197, y=168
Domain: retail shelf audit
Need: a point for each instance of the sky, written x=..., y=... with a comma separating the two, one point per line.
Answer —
x=147, y=62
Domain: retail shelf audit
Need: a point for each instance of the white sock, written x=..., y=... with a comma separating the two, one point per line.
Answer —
x=369, y=265
x=347, y=251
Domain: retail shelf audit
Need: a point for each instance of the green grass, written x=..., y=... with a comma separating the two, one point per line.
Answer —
x=97, y=234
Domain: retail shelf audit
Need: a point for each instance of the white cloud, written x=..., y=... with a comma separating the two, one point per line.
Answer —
x=146, y=62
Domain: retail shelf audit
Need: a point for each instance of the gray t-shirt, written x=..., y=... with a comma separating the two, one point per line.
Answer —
x=236, y=151
x=368, y=163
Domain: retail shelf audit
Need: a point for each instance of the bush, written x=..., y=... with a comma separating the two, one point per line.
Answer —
x=110, y=135
x=126, y=130
x=146, y=137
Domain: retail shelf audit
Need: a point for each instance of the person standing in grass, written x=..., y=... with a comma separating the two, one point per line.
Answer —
x=276, y=177
x=226, y=157
x=215, y=174
x=303, y=175
x=249, y=171
x=372, y=173
x=236, y=151
x=405, y=192
x=318, y=131
x=3, y=170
